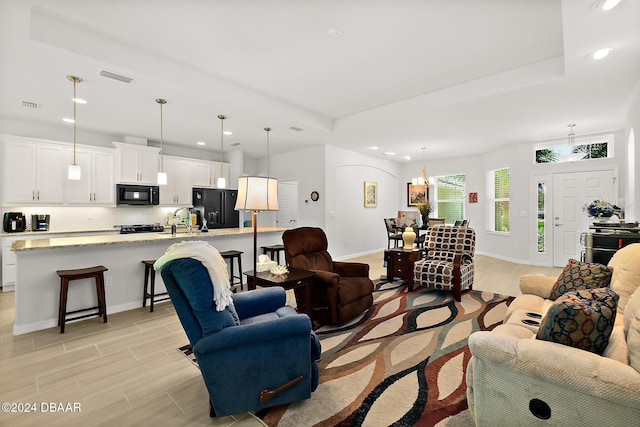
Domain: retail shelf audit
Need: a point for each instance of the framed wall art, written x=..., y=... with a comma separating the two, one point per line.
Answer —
x=370, y=194
x=417, y=194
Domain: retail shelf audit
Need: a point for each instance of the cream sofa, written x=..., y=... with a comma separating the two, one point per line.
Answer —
x=514, y=379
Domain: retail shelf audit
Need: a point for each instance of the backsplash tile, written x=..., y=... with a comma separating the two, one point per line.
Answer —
x=94, y=218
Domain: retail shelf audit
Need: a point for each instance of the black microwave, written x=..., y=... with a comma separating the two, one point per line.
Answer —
x=137, y=194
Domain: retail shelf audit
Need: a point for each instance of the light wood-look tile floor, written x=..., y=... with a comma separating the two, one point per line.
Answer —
x=129, y=372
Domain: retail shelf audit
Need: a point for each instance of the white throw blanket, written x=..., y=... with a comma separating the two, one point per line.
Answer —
x=213, y=262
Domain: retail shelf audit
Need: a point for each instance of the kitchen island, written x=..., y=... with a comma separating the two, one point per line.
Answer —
x=38, y=286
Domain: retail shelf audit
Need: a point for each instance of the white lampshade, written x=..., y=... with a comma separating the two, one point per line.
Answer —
x=221, y=182
x=162, y=178
x=257, y=193
x=74, y=172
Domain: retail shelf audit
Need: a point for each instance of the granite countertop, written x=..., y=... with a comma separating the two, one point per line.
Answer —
x=85, y=241
x=41, y=233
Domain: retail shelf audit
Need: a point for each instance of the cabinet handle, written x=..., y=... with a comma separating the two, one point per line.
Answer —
x=38, y=194
x=33, y=194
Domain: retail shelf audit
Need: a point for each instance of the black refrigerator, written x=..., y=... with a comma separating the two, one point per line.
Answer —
x=217, y=207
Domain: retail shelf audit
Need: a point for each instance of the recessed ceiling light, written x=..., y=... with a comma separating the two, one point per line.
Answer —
x=79, y=100
x=228, y=132
x=407, y=157
x=602, y=53
x=374, y=148
x=608, y=4
x=68, y=120
x=389, y=153
x=333, y=33
x=200, y=143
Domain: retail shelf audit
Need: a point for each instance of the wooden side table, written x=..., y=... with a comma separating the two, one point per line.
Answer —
x=400, y=263
x=297, y=279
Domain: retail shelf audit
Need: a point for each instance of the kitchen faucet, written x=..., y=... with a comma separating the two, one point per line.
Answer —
x=189, y=213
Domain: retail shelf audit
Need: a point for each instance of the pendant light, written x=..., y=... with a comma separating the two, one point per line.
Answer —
x=74, y=172
x=162, y=175
x=221, y=183
x=423, y=180
x=571, y=142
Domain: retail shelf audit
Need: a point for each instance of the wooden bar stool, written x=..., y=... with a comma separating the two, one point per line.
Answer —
x=273, y=250
x=231, y=255
x=67, y=276
x=151, y=293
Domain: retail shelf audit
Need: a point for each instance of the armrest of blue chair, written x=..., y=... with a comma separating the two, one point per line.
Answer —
x=254, y=333
x=259, y=301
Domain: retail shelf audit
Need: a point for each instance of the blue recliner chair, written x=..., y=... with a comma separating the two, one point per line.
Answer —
x=254, y=356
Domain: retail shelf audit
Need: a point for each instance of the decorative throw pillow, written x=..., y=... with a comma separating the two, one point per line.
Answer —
x=582, y=319
x=581, y=275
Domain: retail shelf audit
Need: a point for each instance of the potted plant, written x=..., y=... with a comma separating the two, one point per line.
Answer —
x=425, y=209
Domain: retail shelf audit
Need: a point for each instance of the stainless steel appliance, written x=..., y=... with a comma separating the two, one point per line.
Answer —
x=217, y=207
x=141, y=228
x=40, y=222
x=14, y=222
x=128, y=194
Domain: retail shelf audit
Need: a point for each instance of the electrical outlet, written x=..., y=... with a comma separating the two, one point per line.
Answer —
x=108, y=280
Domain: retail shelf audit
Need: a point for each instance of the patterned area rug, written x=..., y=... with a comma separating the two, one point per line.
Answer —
x=403, y=362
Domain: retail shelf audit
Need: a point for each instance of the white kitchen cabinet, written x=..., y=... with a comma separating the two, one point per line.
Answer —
x=179, y=186
x=8, y=265
x=202, y=173
x=136, y=164
x=215, y=174
x=34, y=172
x=97, y=183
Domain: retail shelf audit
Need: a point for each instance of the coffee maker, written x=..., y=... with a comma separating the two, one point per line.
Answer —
x=39, y=222
x=13, y=222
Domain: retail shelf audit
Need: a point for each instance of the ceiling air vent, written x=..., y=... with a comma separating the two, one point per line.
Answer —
x=31, y=105
x=296, y=128
x=114, y=76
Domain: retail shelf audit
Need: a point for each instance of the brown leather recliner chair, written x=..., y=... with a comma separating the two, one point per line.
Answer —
x=341, y=290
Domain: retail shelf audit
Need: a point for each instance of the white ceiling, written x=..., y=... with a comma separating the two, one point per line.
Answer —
x=454, y=76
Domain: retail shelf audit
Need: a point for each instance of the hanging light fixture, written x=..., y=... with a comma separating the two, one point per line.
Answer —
x=221, y=181
x=162, y=175
x=571, y=142
x=423, y=180
x=74, y=172
x=257, y=194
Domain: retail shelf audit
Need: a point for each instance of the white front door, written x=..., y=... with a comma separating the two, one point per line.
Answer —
x=287, y=216
x=572, y=191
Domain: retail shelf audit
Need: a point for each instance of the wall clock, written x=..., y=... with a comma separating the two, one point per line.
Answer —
x=315, y=196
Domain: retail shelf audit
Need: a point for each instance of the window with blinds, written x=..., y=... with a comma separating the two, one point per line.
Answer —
x=499, y=189
x=449, y=197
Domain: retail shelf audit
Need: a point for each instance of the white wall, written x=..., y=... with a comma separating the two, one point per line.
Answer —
x=351, y=228
x=518, y=245
x=339, y=175
x=306, y=166
x=633, y=163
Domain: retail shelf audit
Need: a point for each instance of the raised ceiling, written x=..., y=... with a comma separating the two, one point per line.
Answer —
x=456, y=76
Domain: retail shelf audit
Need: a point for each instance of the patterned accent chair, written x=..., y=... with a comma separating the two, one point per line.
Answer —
x=448, y=263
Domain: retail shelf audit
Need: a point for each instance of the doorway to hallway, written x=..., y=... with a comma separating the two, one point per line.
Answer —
x=287, y=216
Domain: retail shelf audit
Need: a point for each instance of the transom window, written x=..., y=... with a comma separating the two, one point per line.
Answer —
x=559, y=151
